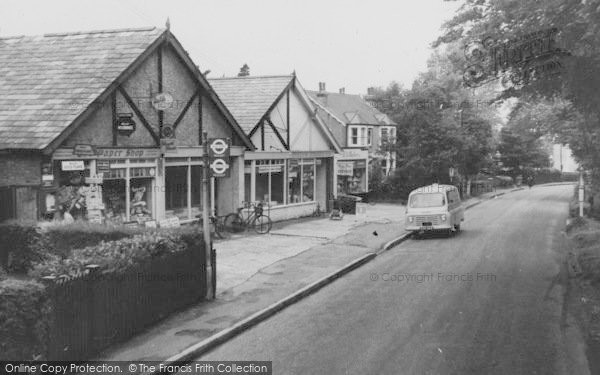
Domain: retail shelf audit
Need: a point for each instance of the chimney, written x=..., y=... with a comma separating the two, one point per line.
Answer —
x=370, y=90
x=321, y=86
x=343, y=90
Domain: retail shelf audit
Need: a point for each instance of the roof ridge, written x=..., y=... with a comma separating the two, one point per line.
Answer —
x=248, y=77
x=105, y=31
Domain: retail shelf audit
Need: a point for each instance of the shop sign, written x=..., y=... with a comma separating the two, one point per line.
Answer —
x=47, y=180
x=73, y=165
x=266, y=168
x=345, y=168
x=168, y=143
x=102, y=167
x=361, y=164
x=125, y=123
x=84, y=150
x=130, y=224
x=355, y=154
x=132, y=153
x=171, y=222
x=162, y=101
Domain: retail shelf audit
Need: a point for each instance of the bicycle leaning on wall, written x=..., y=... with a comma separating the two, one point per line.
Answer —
x=250, y=215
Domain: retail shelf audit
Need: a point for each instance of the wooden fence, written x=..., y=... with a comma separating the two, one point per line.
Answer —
x=96, y=310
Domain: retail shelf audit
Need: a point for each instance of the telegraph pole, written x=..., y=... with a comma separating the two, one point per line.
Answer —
x=206, y=218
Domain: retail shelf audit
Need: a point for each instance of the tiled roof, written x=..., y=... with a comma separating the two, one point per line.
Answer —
x=47, y=81
x=249, y=98
x=352, y=109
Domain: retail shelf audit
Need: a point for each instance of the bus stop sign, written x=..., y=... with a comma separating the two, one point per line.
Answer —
x=218, y=152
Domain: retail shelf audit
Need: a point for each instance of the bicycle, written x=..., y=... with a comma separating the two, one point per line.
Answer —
x=256, y=219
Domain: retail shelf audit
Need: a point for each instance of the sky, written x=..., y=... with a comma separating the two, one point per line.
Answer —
x=351, y=44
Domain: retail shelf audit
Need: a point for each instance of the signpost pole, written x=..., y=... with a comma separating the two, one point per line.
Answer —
x=205, y=220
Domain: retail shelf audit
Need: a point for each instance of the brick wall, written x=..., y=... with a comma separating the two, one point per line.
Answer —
x=20, y=169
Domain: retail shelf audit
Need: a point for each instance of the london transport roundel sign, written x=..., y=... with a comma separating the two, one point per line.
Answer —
x=219, y=146
x=219, y=166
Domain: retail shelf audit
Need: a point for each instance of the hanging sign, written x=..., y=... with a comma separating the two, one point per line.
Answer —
x=125, y=123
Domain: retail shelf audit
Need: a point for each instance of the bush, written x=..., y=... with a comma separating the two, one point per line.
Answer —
x=18, y=246
x=23, y=320
x=60, y=239
x=117, y=256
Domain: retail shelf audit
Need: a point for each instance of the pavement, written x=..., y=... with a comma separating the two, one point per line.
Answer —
x=491, y=300
x=259, y=275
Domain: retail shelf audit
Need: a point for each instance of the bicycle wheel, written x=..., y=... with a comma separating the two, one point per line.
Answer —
x=234, y=223
x=262, y=224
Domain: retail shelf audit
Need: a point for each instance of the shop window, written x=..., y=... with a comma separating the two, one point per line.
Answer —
x=183, y=190
x=294, y=182
x=176, y=187
x=140, y=199
x=113, y=194
x=308, y=180
x=196, y=184
x=270, y=181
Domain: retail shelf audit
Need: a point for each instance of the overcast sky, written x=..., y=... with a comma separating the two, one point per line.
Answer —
x=352, y=44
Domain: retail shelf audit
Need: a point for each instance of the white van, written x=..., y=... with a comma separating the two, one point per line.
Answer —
x=434, y=208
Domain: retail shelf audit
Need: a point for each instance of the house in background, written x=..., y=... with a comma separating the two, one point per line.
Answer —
x=292, y=166
x=361, y=130
x=107, y=125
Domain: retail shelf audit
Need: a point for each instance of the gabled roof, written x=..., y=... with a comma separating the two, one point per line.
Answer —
x=349, y=109
x=249, y=98
x=50, y=83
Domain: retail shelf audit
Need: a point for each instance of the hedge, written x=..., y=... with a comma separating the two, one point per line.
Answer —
x=29, y=310
x=32, y=243
x=24, y=312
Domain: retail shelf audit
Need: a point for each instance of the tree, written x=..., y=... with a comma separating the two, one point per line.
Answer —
x=244, y=71
x=519, y=152
x=442, y=124
x=572, y=102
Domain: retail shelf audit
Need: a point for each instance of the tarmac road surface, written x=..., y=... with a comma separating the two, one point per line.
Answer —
x=487, y=301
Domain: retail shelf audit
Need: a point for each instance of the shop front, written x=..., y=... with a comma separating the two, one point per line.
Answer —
x=291, y=185
x=352, y=172
x=127, y=185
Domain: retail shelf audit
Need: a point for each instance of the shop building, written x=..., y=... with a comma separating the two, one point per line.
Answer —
x=107, y=126
x=362, y=131
x=292, y=166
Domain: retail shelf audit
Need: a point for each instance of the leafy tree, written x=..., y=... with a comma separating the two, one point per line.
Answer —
x=244, y=71
x=442, y=124
x=567, y=108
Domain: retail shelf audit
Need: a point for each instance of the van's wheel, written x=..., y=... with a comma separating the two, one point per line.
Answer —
x=457, y=228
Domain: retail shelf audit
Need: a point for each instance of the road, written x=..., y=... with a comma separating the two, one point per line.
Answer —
x=488, y=301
